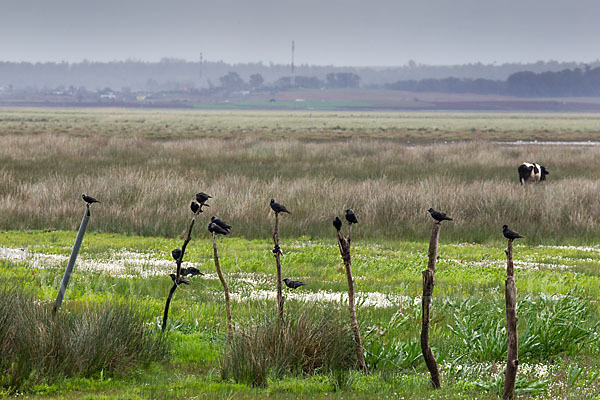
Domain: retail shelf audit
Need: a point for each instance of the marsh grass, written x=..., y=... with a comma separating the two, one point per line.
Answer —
x=143, y=185
x=313, y=339
x=469, y=289
x=81, y=340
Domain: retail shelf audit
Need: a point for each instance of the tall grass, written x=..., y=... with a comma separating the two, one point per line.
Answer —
x=312, y=339
x=548, y=327
x=145, y=186
x=80, y=340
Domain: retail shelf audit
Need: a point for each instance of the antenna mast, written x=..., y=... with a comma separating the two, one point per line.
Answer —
x=293, y=72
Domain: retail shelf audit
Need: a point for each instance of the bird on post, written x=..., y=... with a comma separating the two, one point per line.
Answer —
x=510, y=234
x=439, y=216
x=88, y=199
x=337, y=223
x=220, y=222
x=214, y=228
x=194, y=207
x=192, y=271
x=202, y=198
x=176, y=253
x=277, y=250
x=181, y=279
x=278, y=208
x=293, y=284
x=351, y=217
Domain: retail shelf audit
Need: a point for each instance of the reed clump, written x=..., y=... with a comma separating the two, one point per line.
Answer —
x=312, y=339
x=81, y=340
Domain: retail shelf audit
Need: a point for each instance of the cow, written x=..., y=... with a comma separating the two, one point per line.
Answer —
x=532, y=172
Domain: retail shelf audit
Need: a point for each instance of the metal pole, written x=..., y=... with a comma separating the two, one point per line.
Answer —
x=71, y=264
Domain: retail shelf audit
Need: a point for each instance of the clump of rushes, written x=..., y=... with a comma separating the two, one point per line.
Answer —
x=316, y=340
x=86, y=339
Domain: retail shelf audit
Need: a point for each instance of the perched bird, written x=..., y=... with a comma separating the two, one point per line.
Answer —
x=278, y=207
x=181, y=279
x=351, y=217
x=439, y=216
x=337, y=222
x=510, y=234
x=176, y=254
x=212, y=227
x=293, y=284
x=221, y=223
x=276, y=250
x=202, y=197
x=192, y=271
x=194, y=207
x=89, y=199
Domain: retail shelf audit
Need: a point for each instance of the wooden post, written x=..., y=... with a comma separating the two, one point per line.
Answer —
x=166, y=311
x=512, y=361
x=225, y=288
x=344, y=246
x=278, y=261
x=428, y=283
x=72, y=259
x=178, y=274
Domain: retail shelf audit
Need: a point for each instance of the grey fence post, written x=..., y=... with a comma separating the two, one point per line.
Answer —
x=71, y=264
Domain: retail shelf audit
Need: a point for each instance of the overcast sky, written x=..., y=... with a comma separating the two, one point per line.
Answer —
x=338, y=32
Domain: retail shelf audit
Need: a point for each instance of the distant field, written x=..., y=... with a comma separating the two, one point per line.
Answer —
x=146, y=169
x=410, y=127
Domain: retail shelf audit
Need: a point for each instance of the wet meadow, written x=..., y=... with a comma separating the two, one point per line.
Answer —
x=146, y=165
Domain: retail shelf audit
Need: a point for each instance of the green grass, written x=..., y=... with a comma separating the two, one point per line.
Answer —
x=145, y=167
x=558, y=309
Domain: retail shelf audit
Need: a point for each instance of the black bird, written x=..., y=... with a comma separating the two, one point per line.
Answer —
x=192, y=271
x=89, y=199
x=278, y=207
x=221, y=223
x=181, y=279
x=337, y=222
x=510, y=234
x=212, y=227
x=194, y=207
x=439, y=216
x=202, y=197
x=176, y=253
x=276, y=250
x=351, y=217
x=293, y=284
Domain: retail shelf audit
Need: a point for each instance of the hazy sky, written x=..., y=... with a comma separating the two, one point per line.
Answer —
x=339, y=32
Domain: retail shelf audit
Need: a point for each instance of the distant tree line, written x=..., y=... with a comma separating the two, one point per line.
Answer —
x=232, y=81
x=173, y=74
x=565, y=83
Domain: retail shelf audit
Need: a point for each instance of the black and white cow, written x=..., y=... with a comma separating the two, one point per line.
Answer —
x=532, y=172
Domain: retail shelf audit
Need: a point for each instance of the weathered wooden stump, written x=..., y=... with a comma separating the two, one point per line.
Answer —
x=277, y=252
x=512, y=360
x=344, y=246
x=178, y=277
x=428, y=284
x=225, y=287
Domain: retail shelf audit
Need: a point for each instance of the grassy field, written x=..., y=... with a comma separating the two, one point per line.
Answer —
x=559, y=289
x=145, y=167
x=413, y=127
x=145, y=183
